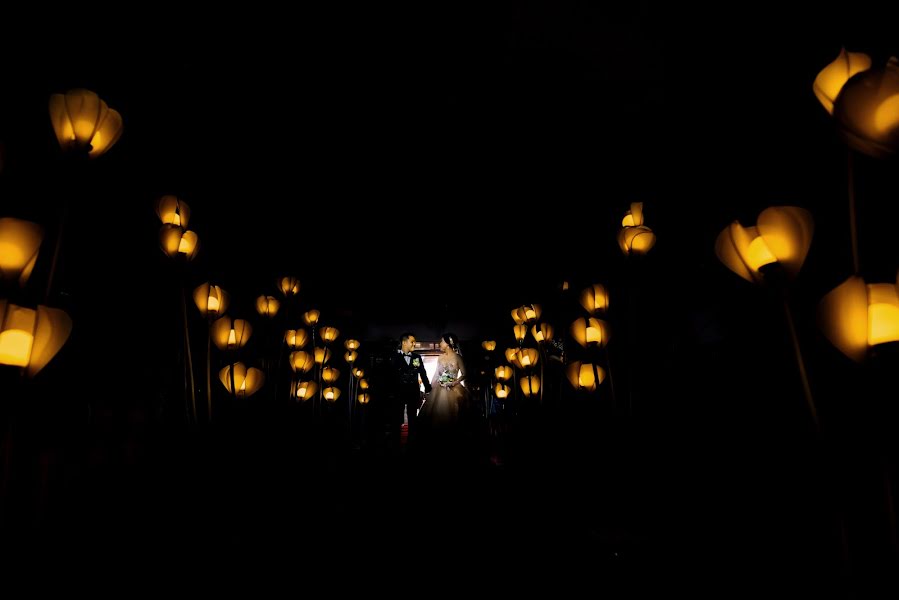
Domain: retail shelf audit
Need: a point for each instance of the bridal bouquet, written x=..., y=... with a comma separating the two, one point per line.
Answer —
x=446, y=378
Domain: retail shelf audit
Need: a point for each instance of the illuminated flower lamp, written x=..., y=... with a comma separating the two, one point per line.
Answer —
x=172, y=211
x=350, y=356
x=358, y=373
x=856, y=316
x=311, y=317
x=530, y=385
x=782, y=236
x=590, y=332
x=296, y=338
x=331, y=394
x=301, y=362
x=363, y=384
x=503, y=373
x=488, y=345
x=352, y=344
x=527, y=358
x=322, y=355
x=543, y=333
x=520, y=332
x=585, y=376
x=833, y=77
x=595, y=299
x=267, y=306
x=634, y=237
x=289, y=286
x=329, y=334
x=84, y=123
x=867, y=111
x=20, y=242
x=516, y=316
x=363, y=398
x=528, y=314
x=178, y=243
x=330, y=374
x=30, y=338
x=240, y=381
x=211, y=300
x=502, y=391
x=303, y=390
x=510, y=355
x=231, y=334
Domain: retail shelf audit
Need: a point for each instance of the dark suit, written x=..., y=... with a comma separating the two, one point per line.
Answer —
x=408, y=393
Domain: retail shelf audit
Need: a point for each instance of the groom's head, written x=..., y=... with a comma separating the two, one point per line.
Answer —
x=408, y=342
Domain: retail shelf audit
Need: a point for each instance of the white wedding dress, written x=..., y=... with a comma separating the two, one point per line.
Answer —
x=441, y=409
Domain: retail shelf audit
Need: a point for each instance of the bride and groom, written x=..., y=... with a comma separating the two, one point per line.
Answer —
x=443, y=400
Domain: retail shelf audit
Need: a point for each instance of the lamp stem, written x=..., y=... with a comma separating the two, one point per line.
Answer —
x=209, y=369
x=190, y=360
x=853, y=223
x=63, y=217
x=806, y=388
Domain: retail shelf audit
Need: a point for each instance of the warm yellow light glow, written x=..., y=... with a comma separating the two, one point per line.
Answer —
x=29, y=337
x=322, y=355
x=527, y=357
x=296, y=338
x=883, y=314
x=834, y=76
x=350, y=356
x=783, y=235
x=358, y=373
x=503, y=373
x=20, y=242
x=590, y=332
x=83, y=122
x=176, y=242
x=352, y=344
x=520, y=332
x=229, y=334
x=488, y=345
x=526, y=314
x=330, y=374
x=289, y=286
x=331, y=394
x=585, y=376
x=172, y=211
x=246, y=381
x=301, y=361
x=530, y=385
x=311, y=316
x=303, y=390
x=636, y=240
x=595, y=299
x=211, y=300
x=634, y=216
x=542, y=333
x=329, y=334
x=363, y=398
x=363, y=384
x=267, y=306
x=867, y=111
x=502, y=391
x=510, y=354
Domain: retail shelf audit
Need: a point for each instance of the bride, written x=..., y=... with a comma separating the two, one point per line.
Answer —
x=448, y=396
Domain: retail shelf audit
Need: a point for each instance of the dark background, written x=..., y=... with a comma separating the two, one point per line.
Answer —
x=488, y=154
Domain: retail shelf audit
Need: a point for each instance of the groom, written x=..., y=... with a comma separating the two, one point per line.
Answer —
x=409, y=366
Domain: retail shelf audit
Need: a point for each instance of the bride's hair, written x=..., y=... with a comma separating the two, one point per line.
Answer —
x=452, y=341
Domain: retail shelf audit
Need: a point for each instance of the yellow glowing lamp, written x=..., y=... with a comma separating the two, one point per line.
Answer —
x=172, y=211
x=833, y=77
x=301, y=362
x=352, y=344
x=289, y=286
x=782, y=235
x=856, y=316
x=322, y=355
x=211, y=300
x=636, y=240
x=590, y=332
x=330, y=374
x=488, y=345
x=503, y=373
x=510, y=355
x=350, y=356
x=358, y=373
x=867, y=111
x=585, y=376
x=296, y=338
x=363, y=398
x=516, y=316
x=246, y=381
x=528, y=314
x=20, y=242
x=595, y=299
x=230, y=334
x=633, y=217
x=543, y=333
x=311, y=316
x=520, y=332
x=329, y=334
x=303, y=390
x=331, y=394
x=83, y=122
x=502, y=391
x=30, y=338
x=178, y=243
x=530, y=385
x=267, y=306
x=527, y=358
x=363, y=384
